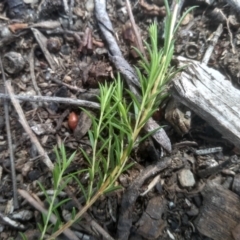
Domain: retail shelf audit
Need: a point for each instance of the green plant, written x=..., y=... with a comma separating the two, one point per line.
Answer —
x=114, y=133
x=23, y=236
x=59, y=183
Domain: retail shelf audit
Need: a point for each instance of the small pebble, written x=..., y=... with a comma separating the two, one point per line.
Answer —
x=236, y=184
x=120, y=3
x=89, y=5
x=13, y=62
x=171, y=205
x=187, y=19
x=34, y=175
x=197, y=200
x=186, y=178
x=23, y=215
x=228, y=182
x=72, y=120
x=53, y=45
x=65, y=49
x=67, y=79
x=194, y=211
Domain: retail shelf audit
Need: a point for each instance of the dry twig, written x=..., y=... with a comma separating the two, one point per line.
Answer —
x=214, y=40
x=41, y=39
x=7, y=122
x=70, y=101
x=73, y=88
x=10, y=222
x=68, y=232
x=26, y=127
x=229, y=31
x=136, y=32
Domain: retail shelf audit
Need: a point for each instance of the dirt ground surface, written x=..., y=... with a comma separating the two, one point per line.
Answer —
x=56, y=50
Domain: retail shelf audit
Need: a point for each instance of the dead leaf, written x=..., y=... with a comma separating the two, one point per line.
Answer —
x=17, y=26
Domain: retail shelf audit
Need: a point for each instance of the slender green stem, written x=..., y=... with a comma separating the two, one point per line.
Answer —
x=108, y=157
x=94, y=156
x=50, y=209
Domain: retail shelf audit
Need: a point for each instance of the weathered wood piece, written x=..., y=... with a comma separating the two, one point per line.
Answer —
x=220, y=213
x=151, y=224
x=211, y=96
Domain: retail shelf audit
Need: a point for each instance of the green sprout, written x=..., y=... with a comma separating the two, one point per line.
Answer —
x=59, y=183
x=116, y=131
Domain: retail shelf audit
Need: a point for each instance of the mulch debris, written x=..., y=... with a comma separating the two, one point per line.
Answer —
x=185, y=183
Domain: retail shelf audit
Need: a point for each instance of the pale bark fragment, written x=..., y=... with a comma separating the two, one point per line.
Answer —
x=211, y=96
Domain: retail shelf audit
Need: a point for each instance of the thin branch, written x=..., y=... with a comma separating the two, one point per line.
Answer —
x=26, y=127
x=7, y=122
x=115, y=54
x=68, y=232
x=213, y=42
x=31, y=66
x=73, y=88
x=136, y=32
x=41, y=39
x=70, y=101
